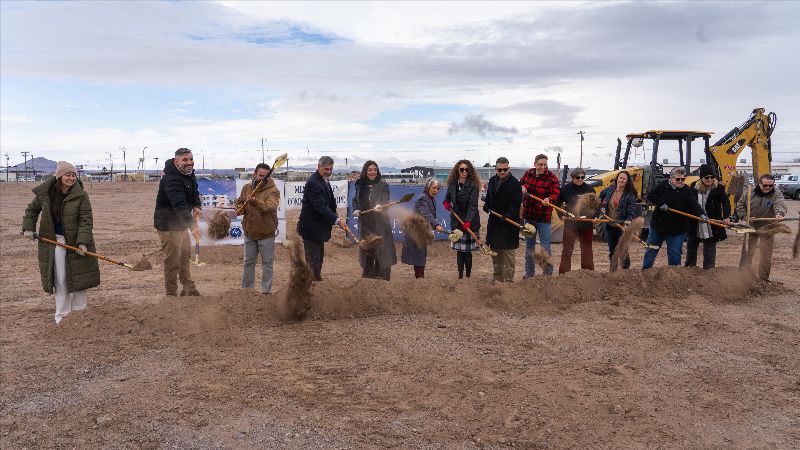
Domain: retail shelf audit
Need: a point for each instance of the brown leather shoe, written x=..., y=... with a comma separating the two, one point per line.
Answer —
x=190, y=293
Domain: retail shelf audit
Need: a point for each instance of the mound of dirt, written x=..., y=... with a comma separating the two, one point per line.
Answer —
x=297, y=296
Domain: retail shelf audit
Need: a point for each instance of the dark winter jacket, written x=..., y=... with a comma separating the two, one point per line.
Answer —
x=464, y=202
x=504, y=200
x=318, y=210
x=82, y=272
x=626, y=209
x=569, y=198
x=683, y=199
x=413, y=253
x=368, y=196
x=717, y=207
x=177, y=196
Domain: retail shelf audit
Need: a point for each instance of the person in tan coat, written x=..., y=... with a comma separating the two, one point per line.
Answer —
x=766, y=201
x=260, y=225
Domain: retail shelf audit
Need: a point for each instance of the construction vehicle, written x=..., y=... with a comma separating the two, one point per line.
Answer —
x=755, y=133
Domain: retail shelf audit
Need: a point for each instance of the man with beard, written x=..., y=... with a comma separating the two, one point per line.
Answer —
x=766, y=201
x=177, y=203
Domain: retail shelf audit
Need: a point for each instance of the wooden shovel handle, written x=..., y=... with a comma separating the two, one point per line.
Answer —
x=561, y=210
x=506, y=219
x=76, y=249
x=692, y=216
x=469, y=230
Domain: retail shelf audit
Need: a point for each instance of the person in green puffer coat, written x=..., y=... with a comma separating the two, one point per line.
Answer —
x=66, y=217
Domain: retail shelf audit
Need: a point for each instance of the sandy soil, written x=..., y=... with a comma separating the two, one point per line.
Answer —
x=659, y=359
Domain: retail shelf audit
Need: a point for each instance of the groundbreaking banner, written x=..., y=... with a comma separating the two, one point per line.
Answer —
x=293, y=194
x=396, y=191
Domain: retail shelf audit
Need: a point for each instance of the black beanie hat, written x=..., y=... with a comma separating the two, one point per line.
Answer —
x=706, y=169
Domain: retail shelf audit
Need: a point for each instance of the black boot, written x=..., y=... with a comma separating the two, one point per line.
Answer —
x=460, y=263
x=468, y=263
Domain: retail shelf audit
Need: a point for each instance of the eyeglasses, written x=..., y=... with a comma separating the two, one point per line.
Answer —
x=768, y=185
x=463, y=169
x=709, y=177
x=502, y=170
x=579, y=177
x=679, y=179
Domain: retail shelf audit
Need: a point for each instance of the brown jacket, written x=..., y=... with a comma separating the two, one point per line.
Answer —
x=261, y=221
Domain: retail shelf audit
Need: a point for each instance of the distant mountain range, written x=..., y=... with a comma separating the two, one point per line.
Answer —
x=44, y=165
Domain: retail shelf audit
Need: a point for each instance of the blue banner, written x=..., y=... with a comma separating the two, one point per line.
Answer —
x=396, y=191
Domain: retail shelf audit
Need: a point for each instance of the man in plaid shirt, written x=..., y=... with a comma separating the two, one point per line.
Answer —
x=542, y=183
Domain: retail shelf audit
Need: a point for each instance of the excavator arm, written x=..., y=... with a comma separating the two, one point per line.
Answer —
x=755, y=133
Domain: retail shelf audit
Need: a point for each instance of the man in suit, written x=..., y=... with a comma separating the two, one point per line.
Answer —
x=318, y=215
x=503, y=196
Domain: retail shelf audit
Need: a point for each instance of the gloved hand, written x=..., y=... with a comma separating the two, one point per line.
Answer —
x=29, y=234
x=83, y=250
x=664, y=207
x=467, y=225
x=446, y=205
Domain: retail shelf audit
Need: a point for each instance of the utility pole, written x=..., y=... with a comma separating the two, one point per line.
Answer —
x=580, y=163
x=156, y=158
x=24, y=155
x=6, y=167
x=111, y=160
x=143, y=159
x=262, y=149
x=125, y=163
x=203, y=155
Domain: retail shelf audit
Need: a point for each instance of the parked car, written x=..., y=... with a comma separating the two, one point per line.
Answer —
x=790, y=186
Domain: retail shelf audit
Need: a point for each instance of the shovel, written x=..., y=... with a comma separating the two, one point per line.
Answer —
x=137, y=267
x=196, y=234
x=379, y=208
x=774, y=219
x=484, y=248
x=618, y=225
x=364, y=244
x=561, y=210
x=528, y=230
x=279, y=161
x=741, y=229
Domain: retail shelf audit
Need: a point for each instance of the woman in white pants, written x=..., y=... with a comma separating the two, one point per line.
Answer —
x=66, y=217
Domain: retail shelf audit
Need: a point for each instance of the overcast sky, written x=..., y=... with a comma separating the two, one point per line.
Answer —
x=400, y=83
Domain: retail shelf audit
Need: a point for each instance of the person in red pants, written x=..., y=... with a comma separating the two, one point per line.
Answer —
x=583, y=231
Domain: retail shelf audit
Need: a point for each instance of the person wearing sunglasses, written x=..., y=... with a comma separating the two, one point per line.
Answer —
x=544, y=184
x=584, y=231
x=463, y=185
x=668, y=226
x=503, y=196
x=766, y=201
x=712, y=198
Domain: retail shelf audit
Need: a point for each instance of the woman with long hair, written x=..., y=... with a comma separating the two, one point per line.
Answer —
x=66, y=217
x=463, y=188
x=712, y=198
x=371, y=191
x=618, y=201
x=416, y=253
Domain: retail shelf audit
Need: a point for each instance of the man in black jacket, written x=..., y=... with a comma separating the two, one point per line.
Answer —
x=177, y=202
x=318, y=215
x=583, y=231
x=665, y=225
x=503, y=196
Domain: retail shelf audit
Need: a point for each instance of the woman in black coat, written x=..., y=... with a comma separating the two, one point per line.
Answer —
x=371, y=191
x=712, y=198
x=463, y=185
x=414, y=253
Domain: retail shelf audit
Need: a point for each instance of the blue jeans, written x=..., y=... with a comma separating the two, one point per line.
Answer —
x=612, y=236
x=543, y=231
x=265, y=247
x=674, y=248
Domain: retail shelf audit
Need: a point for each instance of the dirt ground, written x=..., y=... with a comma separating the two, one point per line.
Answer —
x=666, y=358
